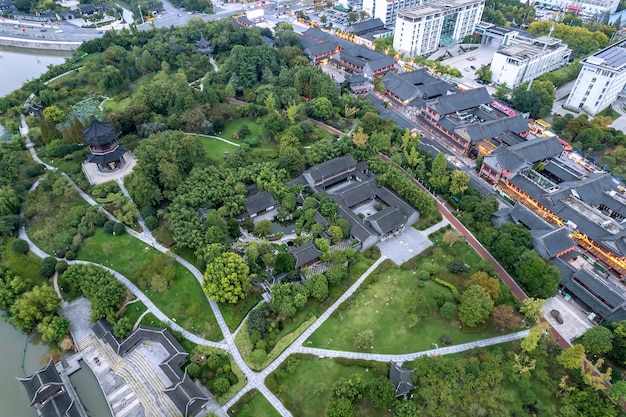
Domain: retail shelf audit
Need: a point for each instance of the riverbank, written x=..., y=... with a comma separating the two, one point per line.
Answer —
x=39, y=44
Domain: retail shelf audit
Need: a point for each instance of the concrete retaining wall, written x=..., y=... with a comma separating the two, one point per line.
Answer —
x=39, y=44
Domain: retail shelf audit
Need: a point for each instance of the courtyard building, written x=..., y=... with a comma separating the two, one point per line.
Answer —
x=105, y=151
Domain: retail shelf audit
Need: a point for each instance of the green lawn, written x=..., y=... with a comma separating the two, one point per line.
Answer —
x=234, y=313
x=23, y=265
x=381, y=305
x=255, y=406
x=233, y=126
x=215, y=148
x=116, y=105
x=306, y=391
x=183, y=302
x=134, y=310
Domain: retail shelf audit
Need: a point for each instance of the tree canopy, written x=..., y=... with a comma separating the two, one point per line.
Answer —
x=227, y=278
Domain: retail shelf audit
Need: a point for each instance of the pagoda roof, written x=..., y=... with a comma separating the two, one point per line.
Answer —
x=43, y=384
x=99, y=133
x=107, y=157
x=202, y=43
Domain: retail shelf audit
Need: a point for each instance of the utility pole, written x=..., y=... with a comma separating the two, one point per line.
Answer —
x=140, y=13
x=543, y=50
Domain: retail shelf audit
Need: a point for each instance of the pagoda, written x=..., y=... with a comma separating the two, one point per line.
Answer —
x=106, y=152
x=203, y=46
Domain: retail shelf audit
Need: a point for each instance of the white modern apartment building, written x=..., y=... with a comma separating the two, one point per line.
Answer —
x=526, y=59
x=600, y=80
x=421, y=30
x=387, y=10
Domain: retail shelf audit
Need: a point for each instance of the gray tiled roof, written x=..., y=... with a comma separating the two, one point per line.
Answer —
x=305, y=253
x=462, y=101
x=358, y=228
x=365, y=26
x=553, y=242
x=42, y=384
x=560, y=172
x=401, y=379
x=99, y=133
x=320, y=48
x=379, y=63
x=538, y=149
x=387, y=220
x=107, y=157
x=187, y=397
x=392, y=200
x=522, y=214
x=356, y=193
x=494, y=128
x=329, y=170
x=258, y=202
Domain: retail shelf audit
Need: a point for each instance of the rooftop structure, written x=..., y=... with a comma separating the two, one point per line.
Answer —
x=306, y=254
x=106, y=152
x=259, y=203
x=422, y=29
x=414, y=88
x=387, y=10
x=527, y=59
x=203, y=46
x=401, y=379
x=183, y=392
x=48, y=394
x=601, y=79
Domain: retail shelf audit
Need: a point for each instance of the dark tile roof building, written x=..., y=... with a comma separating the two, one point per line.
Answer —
x=260, y=203
x=326, y=174
x=105, y=151
x=306, y=254
x=48, y=394
x=401, y=379
x=184, y=393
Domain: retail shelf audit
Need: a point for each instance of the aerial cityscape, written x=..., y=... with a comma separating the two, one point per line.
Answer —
x=357, y=208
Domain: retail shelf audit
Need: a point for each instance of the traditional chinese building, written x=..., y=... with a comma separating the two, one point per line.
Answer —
x=203, y=46
x=105, y=151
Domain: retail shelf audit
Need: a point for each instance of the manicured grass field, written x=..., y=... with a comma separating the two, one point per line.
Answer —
x=257, y=406
x=233, y=126
x=306, y=392
x=23, y=265
x=381, y=305
x=234, y=313
x=215, y=148
x=134, y=311
x=183, y=302
x=116, y=105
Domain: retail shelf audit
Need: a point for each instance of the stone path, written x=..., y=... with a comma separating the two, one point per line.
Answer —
x=255, y=380
x=212, y=137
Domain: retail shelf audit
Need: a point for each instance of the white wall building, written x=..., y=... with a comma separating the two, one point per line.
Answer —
x=421, y=30
x=584, y=7
x=526, y=59
x=387, y=10
x=600, y=80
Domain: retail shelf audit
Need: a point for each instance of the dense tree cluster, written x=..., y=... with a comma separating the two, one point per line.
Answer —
x=582, y=41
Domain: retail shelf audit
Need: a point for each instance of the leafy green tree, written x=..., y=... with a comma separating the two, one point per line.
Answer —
x=193, y=370
x=258, y=357
x=448, y=310
x=336, y=274
x=122, y=327
x=31, y=308
x=19, y=246
x=257, y=321
x=227, y=278
x=263, y=228
x=572, y=357
x=410, y=148
x=598, y=340
x=537, y=277
x=437, y=177
x=53, y=328
x=364, y=340
x=381, y=391
x=484, y=73
x=285, y=262
x=53, y=114
x=476, y=306
x=317, y=286
x=10, y=201
x=221, y=385
x=351, y=389
x=459, y=182
x=335, y=234
x=47, y=266
x=405, y=409
x=340, y=407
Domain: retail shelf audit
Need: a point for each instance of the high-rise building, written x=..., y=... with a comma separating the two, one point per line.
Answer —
x=600, y=80
x=422, y=29
x=527, y=59
x=387, y=10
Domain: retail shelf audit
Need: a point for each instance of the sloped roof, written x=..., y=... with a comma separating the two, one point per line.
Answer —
x=461, y=101
x=554, y=241
x=305, y=253
x=320, y=48
x=99, y=133
x=401, y=379
x=42, y=384
x=388, y=197
x=399, y=87
x=259, y=202
x=356, y=193
x=365, y=26
x=60, y=405
x=494, y=128
x=187, y=397
x=316, y=33
x=107, y=157
x=560, y=172
x=379, y=63
x=602, y=287
x=328, y=170
x=387, y=220
x=538, y=149
x=358, y=228
x=524, y=215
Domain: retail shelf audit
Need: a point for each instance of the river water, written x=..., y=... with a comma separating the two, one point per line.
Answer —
x=20, y=65
x=16, y=67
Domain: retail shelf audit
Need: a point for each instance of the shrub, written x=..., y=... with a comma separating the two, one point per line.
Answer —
x=452, y=288
x=147, y=212
x=423, y=275
x=446, y=340
x=119, y=229
x=447, y=310
x=457, y=266
x=193, y=370
x=220, y=386
x=34, y=170
x=61, y=267
x=151, y=222
x=109, y=225
x=70, y=255
x=19, y=246
x=46, y=268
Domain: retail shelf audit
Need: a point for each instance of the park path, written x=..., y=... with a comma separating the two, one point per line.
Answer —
x=255, y=380
x=399, y=358
x=212, y=137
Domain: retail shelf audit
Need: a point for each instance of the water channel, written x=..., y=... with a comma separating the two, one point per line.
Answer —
x=22, y=355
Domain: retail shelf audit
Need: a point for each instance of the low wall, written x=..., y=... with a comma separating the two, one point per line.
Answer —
x=39, y=44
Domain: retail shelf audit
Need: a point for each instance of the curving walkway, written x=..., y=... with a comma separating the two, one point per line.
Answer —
x=212, y=137
x=255, y=380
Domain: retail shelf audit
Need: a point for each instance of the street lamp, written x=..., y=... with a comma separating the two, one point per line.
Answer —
x=140, y=13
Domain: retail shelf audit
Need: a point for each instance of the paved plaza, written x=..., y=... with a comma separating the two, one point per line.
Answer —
x=405, y=246
x=575, y=322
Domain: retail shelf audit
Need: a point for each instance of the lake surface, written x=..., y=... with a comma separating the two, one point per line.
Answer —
x=20, y=65
x=21, y=355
